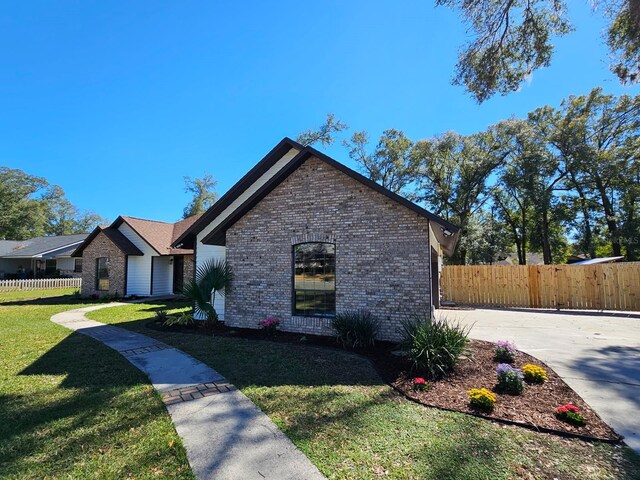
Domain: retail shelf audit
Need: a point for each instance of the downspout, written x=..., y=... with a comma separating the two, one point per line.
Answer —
x=433, y=308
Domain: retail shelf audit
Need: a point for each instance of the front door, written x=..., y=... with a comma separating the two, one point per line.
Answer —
x=178, y=273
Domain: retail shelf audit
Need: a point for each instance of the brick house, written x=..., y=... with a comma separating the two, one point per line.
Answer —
x=133, y=256
x=307, y=237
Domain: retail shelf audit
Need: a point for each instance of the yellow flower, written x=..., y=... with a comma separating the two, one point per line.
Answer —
x=534, y=373
x=481, y=397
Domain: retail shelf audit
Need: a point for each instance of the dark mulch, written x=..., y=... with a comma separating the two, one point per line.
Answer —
x=534, y=408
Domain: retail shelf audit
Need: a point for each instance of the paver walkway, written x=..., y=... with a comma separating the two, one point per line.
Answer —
x=596, y=353
x=226, y=436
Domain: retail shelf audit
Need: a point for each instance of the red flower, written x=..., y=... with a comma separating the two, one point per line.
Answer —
x=567, y=408
x=419, y=381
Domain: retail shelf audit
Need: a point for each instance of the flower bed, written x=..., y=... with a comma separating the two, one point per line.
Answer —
x=535, y=407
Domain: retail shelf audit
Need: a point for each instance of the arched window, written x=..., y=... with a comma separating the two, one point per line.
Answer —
x=314, y=279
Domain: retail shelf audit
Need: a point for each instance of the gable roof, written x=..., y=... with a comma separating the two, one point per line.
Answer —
x=447, y=233
x=159, y=235
x=187, y=238
x=38, y=246
x=116, y=236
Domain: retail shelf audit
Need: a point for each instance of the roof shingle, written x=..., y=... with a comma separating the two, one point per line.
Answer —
x=37, y=246
x=160, y=235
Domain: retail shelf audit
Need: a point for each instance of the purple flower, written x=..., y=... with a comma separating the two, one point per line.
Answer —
x=507, y=345
x=504, y=370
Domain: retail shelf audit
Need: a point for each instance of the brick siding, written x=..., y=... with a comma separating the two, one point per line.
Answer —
x=101, y=246
x=382, y=252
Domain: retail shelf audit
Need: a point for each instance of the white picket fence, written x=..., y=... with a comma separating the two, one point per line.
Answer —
x=39, y=284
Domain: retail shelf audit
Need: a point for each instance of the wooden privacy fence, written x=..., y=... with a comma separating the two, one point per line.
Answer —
x=39, y=284
x=610, y=286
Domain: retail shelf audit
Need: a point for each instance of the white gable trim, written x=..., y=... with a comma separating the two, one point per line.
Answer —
x=244, y=196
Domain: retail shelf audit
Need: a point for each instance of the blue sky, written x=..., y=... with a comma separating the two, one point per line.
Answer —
x=117, y=101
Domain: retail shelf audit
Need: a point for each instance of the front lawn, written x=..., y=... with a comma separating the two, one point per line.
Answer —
x=337, y=410
x=73, y=408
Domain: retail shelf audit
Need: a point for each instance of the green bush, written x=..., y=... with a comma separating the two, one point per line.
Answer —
x=433, y=345
x=355, y=328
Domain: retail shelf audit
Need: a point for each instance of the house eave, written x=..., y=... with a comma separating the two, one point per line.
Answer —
x=217, y=235
x=187, y=239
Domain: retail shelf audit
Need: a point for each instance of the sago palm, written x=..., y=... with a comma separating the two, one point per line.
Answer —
x=213, y=276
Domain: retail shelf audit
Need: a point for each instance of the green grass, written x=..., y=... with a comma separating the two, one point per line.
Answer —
x=73, y=408
x=336, y=409
x=37, y=294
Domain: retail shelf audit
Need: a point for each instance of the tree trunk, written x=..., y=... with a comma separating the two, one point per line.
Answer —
x=523, y=238
x=587, y=231
x=546, y=242
x=610, y=217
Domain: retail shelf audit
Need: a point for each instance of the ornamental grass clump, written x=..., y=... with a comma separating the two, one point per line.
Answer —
x=433, y=345
x=510, y=380
x=505, y=351
x=183, y=320
x=571, y=414
x=355, y=328
x=534, y=374
x=482, y=399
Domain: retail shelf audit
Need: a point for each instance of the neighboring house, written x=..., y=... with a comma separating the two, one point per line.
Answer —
x=596, y=261
x=307, y=237
x=133, y=256
x=39, y=257
x=533, y=258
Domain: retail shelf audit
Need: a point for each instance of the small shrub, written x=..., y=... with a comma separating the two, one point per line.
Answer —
x=162, y=316
x=505, y=351
x=355, y=328
x=433, y=345
x=269, y=325
x=571, y=414
x=534, y=374
x=482, y=399
x=420, y=384
x=509, y=379
x=184, y=320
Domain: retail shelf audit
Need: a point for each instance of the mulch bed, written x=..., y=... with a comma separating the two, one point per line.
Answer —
x=534, y=408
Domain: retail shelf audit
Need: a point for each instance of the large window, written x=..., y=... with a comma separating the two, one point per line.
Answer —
x=102, y=273
x=314, y=279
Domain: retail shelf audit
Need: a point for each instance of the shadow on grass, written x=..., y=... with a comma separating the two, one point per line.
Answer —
x=165, y=306
x=58, y=300
x=59, y=423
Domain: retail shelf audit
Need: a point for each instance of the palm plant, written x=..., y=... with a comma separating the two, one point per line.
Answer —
x=213, y=276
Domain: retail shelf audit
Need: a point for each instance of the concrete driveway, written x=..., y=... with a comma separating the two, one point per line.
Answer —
x=596, y=353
